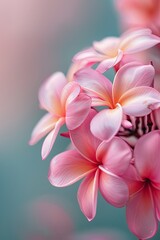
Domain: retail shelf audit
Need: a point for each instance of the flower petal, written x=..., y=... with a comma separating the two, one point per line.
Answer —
x=88, y=57
x=50, y=93
x=50, y=139
x=142, y=75
x=147, y=159
x=115, y=155
x=95, y=84
x=138, y=40
x=106, y=123
x=77, y=111
x=82, y=138
x=74, y=67
x=156, y=197
x=109, y=62
x=113, y=188
x=44, y=126
x=141, y=216
x=68, y=167
x=70, y=91
x=157, y=81
x=138, y=101
x=107, y=46
x=87, y=195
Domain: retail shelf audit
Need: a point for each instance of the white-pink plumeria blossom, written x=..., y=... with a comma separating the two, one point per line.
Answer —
x=143, y=207
x=129, y=94
x=98, y=163
x=110, y=51
x=65, y=103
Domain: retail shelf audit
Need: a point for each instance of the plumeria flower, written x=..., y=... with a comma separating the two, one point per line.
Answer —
x=149, y=56
x=98, y=163
x=143, y=207
x=130, y=94
x=42, y=223
x=144, y=13
x=65, y=103
x=110, y=51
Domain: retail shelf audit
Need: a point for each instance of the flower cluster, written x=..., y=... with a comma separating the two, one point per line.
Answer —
x=113, y=126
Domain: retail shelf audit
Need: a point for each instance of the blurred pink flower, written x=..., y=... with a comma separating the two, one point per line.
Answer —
x=48, y=220
x=65, y=103
x=98, y=163
x=130, y=94
x=143, y=209
x=45, y=220
x=139, y=13
x=110, y=51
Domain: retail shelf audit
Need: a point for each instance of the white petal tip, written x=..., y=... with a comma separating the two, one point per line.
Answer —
x=44, y=156
x=90, y=219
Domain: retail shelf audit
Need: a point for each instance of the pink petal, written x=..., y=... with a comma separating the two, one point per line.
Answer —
x=142, y=75
x=50, y=93
x=156, y=197
x=50, y=139
x=157, y=81
x=109, y=62
x=95, y=84
x=65, y=134
x=113, y=188
x=69, y=93
x=88, y=57
x=74, y=67
x=138, y=101
x=82, y=135
x=106, y=123
x=138, y=40
x=87, y=195
x=68, y=167
x=107, y=46
x=115, y=155
x=77, y=111
x=44, y=126
x=134, y=182
x=147, y=159
x=141, y=216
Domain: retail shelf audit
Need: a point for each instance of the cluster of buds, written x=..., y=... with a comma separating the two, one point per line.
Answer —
x=113, y=127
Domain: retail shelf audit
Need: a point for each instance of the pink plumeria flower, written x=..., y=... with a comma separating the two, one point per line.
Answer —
x=135, y=13
x=65, y=103
x=143, y=207
x=149, y=56
x=98, y=163
x=45, y=220
x=130, y=94
x=110, y=51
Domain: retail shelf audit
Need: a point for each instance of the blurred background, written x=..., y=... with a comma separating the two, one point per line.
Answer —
x=37, y=38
